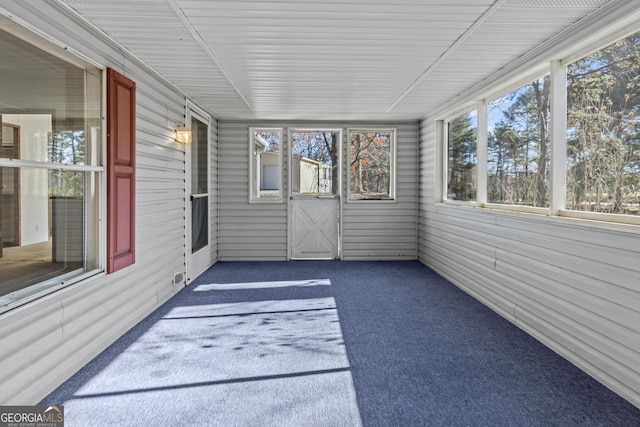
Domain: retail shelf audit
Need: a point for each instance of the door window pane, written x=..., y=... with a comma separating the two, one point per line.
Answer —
x=314, y=162
x=199, y=223
x=199, y=185
x=199, y=157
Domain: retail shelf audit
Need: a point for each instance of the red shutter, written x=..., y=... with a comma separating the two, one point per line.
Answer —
x=121, y=154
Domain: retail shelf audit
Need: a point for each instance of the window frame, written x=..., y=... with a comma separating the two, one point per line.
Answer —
x=604, y=42
x=540, y=73
x=94, y=169
x=554, y=62
x=392, y=163
x=251, y=165
x=601, y=41
x=444, y=196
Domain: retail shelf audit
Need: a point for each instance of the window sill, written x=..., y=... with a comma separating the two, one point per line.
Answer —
x=516, y=208
x=587, y=220
x=605, y=218
x=40, y=290
x=263, y=201
x=371, y=201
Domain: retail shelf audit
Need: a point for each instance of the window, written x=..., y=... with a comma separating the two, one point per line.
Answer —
x=265, y=170
x=596, y=161
x=518, y=146
x=50, y=170
x=371, y=166
x=462, y=143
x=603, y=130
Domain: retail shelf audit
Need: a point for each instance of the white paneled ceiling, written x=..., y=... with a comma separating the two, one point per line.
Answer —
x=329, y=60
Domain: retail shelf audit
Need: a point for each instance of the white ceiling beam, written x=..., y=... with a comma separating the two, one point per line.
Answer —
x=448, y=52
x=209, y=52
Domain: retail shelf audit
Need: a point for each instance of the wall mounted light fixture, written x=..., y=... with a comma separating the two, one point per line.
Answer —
x=183, y=134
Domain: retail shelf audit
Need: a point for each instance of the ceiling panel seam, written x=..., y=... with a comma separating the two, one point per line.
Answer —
x=449, y=51
x=101, y=33
x=209, y=52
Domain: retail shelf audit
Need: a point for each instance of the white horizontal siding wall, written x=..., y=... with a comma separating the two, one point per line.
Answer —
x=259, y=231
x=44, y=342
x=256, y=231
x=375, y=230
x=572, y=284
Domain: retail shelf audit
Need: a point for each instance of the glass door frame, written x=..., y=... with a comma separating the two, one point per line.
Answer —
x=199, y=261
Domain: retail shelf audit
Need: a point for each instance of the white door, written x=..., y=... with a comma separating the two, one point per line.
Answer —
x=314, y=225
x=314, y=182
x=198, y=207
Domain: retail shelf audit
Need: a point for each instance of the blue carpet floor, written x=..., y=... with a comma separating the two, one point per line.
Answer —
x=329, y=343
